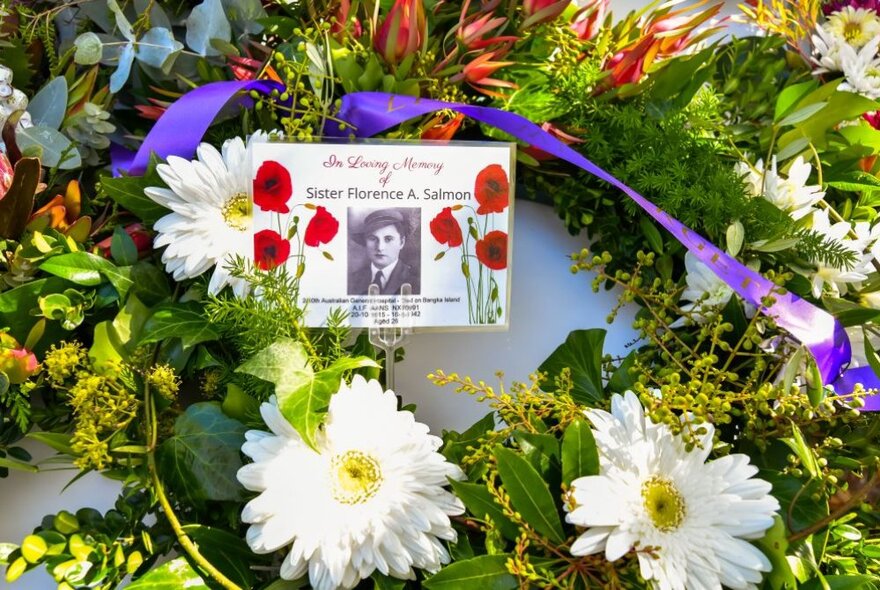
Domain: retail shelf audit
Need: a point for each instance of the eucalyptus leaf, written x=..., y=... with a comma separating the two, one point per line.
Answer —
x=48, y=106
x=53, y=148
x=207, y=21
x=123, y=26
x=158, y=18
x=245, y=15
x=89, y=49
x=123, y=68
x=203, y=456
x=158, y=48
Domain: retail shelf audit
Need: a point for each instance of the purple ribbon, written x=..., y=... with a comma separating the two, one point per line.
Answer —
x=181, y=128
x=183, y=125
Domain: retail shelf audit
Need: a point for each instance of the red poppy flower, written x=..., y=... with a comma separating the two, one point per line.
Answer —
x=492, y=190
x=321, y=228
x=492, y=250
x=445, y=228
x=272, y=187
x=270, y=249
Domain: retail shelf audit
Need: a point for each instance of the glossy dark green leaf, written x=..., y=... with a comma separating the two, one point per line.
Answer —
x=87, y=269
x=228, y=552
x=128, y=192
x=15, y=304
x=123, y=248
x=854, y=582
x=529, y=494
x=173, y=575
x=182, y=320
x=480, y=504
x=580, y=456
x=582, y=353
x=486, y=572
x=201, y=459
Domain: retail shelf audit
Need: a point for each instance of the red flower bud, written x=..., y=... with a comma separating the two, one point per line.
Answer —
x=542, y=11
x=404, y=31
x=446, y=229
x=589, y=18
x=15, y=362
x=492, y=250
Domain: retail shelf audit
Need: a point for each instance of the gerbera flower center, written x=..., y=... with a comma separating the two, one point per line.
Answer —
x=237, y=212
x=664, y=503
x=355, y=477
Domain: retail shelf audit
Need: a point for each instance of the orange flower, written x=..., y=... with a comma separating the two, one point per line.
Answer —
x=62, y=213
x=436, y=129
x=404, y=31
x=477, y=72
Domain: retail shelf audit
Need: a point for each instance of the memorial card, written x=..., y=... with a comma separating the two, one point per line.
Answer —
x=395, y=234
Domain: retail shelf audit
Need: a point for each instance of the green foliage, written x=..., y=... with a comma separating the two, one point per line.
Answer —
x=175, y=574
x=486, y=572
x=581, y=353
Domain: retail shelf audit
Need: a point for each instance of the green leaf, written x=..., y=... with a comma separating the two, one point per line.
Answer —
x=795, y=500
x=797, y=444
x=486, y=572
x=582, y=353
x=207, y=21
x=774, y=544
x=150, y=284
x=122, y=247
x=17, y=204
x=15, y=304
x=303, y=395
x=854, y=182
x=456, y=444
x=529, y=494
x=580, y=456
x=652, y=234
x=7, y=463
x=181, y=320
x=85, y=268
x=480, y=504
x=383, y=582
x=791, y=96
x=802, y=114
x=855, y=582
x=622, y=379
x=128, y=192
x=203, y=456
x=56, y=440
x=228, y=552
x=88, y=49
x=174, y=575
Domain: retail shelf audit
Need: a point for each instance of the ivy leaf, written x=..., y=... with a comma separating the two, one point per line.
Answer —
x=203, y=456
x=207, y=21
x=230, y=553
x=181, y=320
x=174, y=575
x=580, y=456
x=529, y=494
x=582, y=353
x=486, y=572
x=303, y=395
x=47, y=108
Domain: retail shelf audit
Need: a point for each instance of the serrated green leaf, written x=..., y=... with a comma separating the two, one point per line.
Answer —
x=174, y=575
x=580, y=456
x=202, y=457
x=529, y=494
x=178, y=320
x=486, y=572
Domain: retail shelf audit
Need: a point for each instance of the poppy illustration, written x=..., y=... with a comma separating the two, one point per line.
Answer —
x=492, y=250
x=492, y=190
x=445, y=228
x=321, y=228
x=270, y=249
x=272, y=187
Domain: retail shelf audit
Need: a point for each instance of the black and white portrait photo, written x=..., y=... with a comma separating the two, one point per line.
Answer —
x=384, y=248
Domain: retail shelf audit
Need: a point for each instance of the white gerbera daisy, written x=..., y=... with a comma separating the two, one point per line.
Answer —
x=705, y=290
x=371, y=497
x=687, y=519
x=210, y=221
x=792, y=194
x=855, y=26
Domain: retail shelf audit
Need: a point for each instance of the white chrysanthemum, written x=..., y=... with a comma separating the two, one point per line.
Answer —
x=861, y=69
x=792, y=194
x=210, y=221
x=855, y=26
x=687, y=518
x=864, y=246
x=371, y=497
x=705, y=290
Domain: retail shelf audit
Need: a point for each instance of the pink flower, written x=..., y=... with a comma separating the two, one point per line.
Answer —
x=404, y=31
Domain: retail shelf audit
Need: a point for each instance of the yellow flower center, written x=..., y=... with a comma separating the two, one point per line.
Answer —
x=664, y=503
x=355, y=477
x=237, y=212
x=852, y=32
